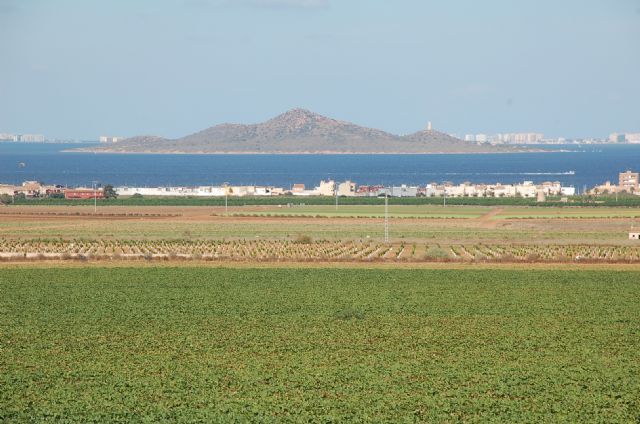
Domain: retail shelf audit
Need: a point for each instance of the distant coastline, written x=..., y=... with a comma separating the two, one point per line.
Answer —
x=302, y=132
x=50, y=142
x=325, y=152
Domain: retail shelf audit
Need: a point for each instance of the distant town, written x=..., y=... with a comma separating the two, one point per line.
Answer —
x=36, y=138
x=527, y=189
x=538, y=138
x=520, y=138
x=628, y=183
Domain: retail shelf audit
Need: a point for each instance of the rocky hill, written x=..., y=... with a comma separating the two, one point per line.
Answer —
x=299, y=131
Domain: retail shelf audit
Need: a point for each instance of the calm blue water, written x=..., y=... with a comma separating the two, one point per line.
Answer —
x=45, y=162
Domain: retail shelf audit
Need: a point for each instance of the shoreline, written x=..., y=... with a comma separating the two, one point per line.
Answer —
x=322, y=152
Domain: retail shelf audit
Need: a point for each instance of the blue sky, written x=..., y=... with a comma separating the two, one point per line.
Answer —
x=82, y=68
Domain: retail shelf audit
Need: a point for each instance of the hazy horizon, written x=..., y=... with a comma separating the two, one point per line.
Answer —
x=81, y=69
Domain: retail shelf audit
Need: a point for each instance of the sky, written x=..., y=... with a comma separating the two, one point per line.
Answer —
x=84, y=68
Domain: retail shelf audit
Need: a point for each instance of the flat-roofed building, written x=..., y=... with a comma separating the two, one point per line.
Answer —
x=629, y=181
x=32, y=138
x=327, y=188
x=616, y=138
x=347, y=188
x=404, y=191
x=9, y=137
x=606, y=188
x=84, y=193
x=7, y=189
x=632, y=137
x=110, y=139
x=297, y=188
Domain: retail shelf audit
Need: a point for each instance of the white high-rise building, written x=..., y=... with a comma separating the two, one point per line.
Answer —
x=9, y=137
x=632, y=137
x=617, y=138
x=33, y=138
x=327, y=188
x=110, y=139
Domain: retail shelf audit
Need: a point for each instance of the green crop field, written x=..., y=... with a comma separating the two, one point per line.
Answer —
x=568, y=212
x=205, y=344
x=446, y=231
x=598, y=201
x=370, y=211
x=438, y=211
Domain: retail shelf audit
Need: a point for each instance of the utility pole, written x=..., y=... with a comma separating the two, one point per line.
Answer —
x=335, y=186
x=444, y=201
x=226, y=194
x=386, y=216
x=95, y=197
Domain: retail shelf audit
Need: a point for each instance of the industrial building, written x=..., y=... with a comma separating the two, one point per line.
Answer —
x=203, y=191
x=84, y=193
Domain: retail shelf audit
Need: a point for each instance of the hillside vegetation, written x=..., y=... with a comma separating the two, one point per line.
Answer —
x=300, y=131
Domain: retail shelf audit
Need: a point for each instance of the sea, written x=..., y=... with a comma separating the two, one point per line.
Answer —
x=579, y=166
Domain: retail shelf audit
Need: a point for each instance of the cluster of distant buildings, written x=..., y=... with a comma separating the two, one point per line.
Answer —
x=34, y=189
x=110, y=139
x=325, y=188
x=25, y=138
x=633, y=138
x=466, y=189
x=539, y=138
x=351, y=189
x=507, y=138
x=628, y=182
x=31, y=189
x=40, y=138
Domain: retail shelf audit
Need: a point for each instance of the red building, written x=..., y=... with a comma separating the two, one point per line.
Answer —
x=83, y=193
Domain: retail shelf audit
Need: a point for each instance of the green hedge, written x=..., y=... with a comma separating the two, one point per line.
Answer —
x=628, y=201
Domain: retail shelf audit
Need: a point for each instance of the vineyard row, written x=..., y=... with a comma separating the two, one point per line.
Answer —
x=274, y=250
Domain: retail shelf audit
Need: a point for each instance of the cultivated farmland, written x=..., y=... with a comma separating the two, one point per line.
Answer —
x=419, y=224
x=202, y=344
x=304, y=249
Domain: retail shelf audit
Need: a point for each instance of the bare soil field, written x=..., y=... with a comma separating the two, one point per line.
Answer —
x=484, y=234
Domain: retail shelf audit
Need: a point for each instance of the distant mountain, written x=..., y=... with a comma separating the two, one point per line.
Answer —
x=299, y=131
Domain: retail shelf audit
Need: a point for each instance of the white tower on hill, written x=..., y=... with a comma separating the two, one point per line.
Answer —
x=429, y=127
